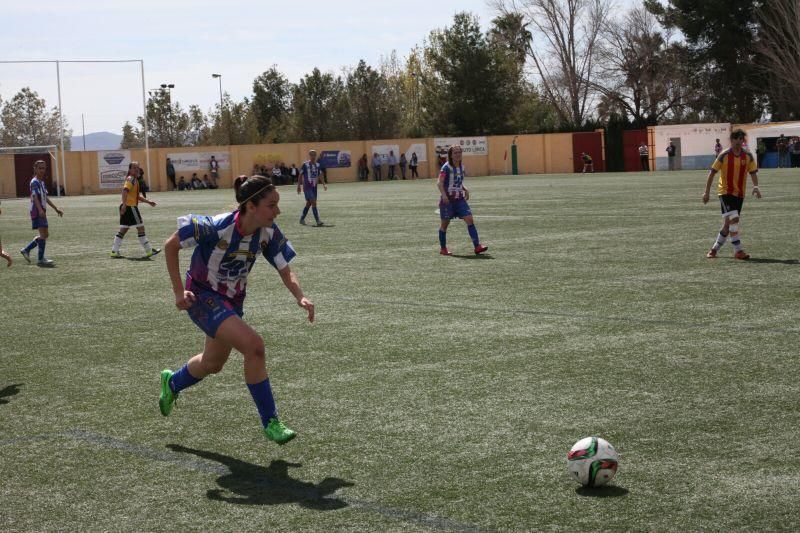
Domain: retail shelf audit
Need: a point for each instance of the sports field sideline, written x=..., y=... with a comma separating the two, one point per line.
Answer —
x=433, y=392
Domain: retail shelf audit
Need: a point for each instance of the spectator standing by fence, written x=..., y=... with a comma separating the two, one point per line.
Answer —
x=644, y=156
x=171, y=174
x=671, y=156
x=413, y=165
x=376, y=166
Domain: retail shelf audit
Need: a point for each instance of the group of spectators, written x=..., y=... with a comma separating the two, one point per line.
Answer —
x=392, y=163
x=788, y=151
x=280, y=173
x=195, y=183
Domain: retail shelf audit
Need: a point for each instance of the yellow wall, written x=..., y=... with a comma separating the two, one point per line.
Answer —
x=8, y=185
x=537, y=154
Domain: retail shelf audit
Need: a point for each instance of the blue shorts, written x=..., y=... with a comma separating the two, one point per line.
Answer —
x=454, y=209
x=211, y=309
x=311, y=194
x=39, y=222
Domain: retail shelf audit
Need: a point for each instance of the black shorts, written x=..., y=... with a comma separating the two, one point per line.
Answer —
x=729, y=202
x=130, y=217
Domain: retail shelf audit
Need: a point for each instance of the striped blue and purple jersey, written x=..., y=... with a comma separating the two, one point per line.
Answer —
x=223, y=257
x=453, y=180
x=39, y=190
x=311, y=173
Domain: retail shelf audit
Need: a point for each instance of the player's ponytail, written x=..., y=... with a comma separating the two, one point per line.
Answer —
x=254, y=189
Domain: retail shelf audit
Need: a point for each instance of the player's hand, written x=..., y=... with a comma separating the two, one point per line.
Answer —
x=466, y=194
x=705, y=197
x=121, y=210
x=325, y=186
x=298, y=190
x=185, y=300
x=306, y=304
x=152, y=203
x=756, y=192
x=445, y=199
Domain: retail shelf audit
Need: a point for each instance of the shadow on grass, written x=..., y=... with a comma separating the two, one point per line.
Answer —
x=252, y=484
x=473, y=256
x=774, y=261
x=143, y=258
x=606, y=491
x=11, y=390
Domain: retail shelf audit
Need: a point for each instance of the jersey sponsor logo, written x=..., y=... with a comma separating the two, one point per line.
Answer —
x=222, y=244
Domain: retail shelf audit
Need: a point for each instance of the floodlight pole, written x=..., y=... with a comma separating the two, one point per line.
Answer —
x=61, y=127
x=146, y=141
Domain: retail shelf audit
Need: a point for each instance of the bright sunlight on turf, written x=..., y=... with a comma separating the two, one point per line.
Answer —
x=433, y=392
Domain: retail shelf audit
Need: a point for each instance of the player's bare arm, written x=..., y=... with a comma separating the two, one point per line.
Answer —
x=183, y=298
x=709, y=181
x=289, y=279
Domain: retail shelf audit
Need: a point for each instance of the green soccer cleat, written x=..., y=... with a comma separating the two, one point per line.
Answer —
x=167, y=397
x=153, y=252
x=115, y=255
x=277, y=431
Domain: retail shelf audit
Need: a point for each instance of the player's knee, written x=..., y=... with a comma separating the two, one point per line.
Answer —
x=256, y=349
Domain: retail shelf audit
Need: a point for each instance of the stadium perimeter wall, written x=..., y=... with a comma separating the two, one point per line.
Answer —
x=537, y=154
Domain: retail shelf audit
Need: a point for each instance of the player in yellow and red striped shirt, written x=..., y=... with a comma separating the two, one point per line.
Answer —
x=733, y=165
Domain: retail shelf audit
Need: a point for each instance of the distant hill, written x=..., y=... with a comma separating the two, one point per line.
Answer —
x=101, y=140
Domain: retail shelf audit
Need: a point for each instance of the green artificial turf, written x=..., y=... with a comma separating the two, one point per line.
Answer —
x=433, y=392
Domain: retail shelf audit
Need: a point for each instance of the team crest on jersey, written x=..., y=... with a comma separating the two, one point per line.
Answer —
x=211, y=303
x=222, y=244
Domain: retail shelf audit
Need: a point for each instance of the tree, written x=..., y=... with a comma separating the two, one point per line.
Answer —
x=317, y=108
x=566, y=64
x=199, y=131
x=372, y=115
x=720, y=35
x=232, y=124
x=131, y=138
x=641, y=74
x=778, y=48
x=167, y=123
x=272, y=94
x=468, y=87
x=27, y=122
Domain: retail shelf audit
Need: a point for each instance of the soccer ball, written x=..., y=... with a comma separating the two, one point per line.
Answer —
x=592, y=461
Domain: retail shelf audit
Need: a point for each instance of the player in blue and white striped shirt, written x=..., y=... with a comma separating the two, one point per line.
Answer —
x=39, y=203
x=311, y=174
x=226, y=248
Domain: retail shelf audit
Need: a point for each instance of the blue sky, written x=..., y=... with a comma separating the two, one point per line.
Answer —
x=183, y=42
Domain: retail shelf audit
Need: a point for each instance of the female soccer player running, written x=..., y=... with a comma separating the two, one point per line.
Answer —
x=226, y=249
x=453, y=200
x=39, y=203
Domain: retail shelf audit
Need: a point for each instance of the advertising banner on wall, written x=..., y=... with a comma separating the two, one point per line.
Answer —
x=469, y=145
x=383, y=151
x=113, y=167
x=198, y=161
x=420, y=149
x=334, y=158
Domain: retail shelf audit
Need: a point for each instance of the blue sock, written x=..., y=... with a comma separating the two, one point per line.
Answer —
x=473, y=234
x=305, y=212
x=31, y=245
x=443, y=239
x=265, y=403
x=41, y=243
x=182, y=379
x=316, y=213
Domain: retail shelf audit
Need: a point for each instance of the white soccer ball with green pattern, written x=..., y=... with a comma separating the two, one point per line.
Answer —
x=592, y=461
